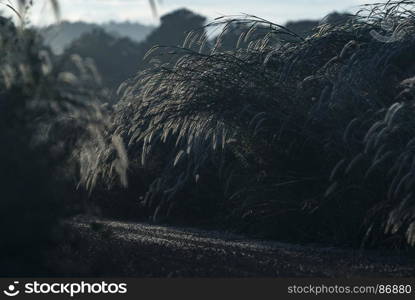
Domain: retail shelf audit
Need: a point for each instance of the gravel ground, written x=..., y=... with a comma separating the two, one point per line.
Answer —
x=112, y=248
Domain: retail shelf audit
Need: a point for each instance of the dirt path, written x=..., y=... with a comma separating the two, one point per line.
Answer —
x=135, y=249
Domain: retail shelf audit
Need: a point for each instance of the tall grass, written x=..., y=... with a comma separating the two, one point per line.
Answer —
x=300, y=138
x=53, y=135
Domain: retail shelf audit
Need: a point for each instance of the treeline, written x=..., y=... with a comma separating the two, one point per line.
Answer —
x=59, y=36
x=118, y=58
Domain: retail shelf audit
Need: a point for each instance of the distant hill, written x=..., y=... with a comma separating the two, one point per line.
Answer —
x=60, y=36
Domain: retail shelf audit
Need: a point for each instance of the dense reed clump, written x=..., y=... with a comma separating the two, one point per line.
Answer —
x=306, y=139
x=53, y=135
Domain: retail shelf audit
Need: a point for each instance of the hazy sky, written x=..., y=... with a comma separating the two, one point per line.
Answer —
x=278, y=11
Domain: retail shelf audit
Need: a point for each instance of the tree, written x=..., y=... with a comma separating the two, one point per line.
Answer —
x=116, y=59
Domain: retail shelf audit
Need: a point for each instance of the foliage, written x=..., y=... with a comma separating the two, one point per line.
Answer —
x=53, y=134
x=301, y=138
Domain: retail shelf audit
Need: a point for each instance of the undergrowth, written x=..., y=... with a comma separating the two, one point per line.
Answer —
x=54, y=139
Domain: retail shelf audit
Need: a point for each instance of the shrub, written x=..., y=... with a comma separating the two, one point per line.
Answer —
x=53, y=134
x=298, y=138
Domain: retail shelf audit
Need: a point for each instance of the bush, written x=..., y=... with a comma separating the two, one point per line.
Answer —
x=53, y=134
x=298, y=138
